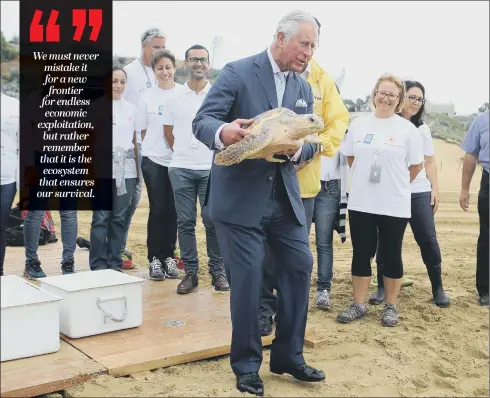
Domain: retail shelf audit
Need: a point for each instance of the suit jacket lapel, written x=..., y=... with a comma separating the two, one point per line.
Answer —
x=266, y=77
x=291, y=92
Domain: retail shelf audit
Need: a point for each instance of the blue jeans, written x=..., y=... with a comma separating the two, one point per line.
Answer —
x=108, y=227
x=327, y=208
x=135, y=199
x=188, y=185
x=7, y=194
x=32, y=229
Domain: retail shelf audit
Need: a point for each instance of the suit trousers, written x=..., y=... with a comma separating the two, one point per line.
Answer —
x=243, y=251
x=268, y=300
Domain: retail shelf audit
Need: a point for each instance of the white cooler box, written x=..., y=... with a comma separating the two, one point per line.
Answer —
x=30, y=319
x=97, y=302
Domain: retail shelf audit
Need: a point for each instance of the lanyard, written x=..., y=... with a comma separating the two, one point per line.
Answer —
x=149, y=84
x=375, y=156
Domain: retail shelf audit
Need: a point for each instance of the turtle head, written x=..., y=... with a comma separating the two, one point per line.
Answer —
x=305, y=125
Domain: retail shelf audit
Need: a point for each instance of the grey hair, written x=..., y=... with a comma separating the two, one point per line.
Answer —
x=149, y=34
x=290, y=23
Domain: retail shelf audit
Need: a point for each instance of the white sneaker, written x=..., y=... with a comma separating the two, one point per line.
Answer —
x=323, y=299
x=156, y=270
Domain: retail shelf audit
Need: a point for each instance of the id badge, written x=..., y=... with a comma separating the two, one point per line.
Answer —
x=119, y=155
x=194, y=143
x=375, y=175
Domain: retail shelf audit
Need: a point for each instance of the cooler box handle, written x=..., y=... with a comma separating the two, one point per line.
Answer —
x=109, y=315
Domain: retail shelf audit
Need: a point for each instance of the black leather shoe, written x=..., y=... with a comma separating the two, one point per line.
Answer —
x=265, y=324
x=300, y=372
x=251, y=383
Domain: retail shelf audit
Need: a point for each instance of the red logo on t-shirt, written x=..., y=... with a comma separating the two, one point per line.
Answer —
x=391, y=140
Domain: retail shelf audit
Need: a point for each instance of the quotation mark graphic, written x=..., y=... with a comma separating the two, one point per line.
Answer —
x=79, y=20
x=36, y=32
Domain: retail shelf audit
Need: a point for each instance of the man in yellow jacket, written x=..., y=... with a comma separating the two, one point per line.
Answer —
x=329, y=105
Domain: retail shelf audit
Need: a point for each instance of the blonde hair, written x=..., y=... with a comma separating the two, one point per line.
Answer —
x=388, y=77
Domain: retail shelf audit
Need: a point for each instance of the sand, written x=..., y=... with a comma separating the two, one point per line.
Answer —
x=433, y=351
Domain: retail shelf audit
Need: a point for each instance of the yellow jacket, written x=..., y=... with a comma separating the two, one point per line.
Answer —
x=330, y=107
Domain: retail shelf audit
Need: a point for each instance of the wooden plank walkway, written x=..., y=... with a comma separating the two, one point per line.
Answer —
x=29, y=377
x=176, y=329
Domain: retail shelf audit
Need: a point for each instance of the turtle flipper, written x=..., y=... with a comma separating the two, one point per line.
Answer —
x=243, y=149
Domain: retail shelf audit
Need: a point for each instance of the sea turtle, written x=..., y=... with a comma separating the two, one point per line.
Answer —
x=274, y=131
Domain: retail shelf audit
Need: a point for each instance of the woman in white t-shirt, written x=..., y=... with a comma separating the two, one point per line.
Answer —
x=9, y=163
x=108, y=226
x=157, y=154
x=425, y=201
x=385, y=153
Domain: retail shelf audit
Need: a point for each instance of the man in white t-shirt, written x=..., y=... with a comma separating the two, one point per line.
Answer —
x=189, y=172
x=140, y=78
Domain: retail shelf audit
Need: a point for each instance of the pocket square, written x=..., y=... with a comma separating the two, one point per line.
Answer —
x=300, y=103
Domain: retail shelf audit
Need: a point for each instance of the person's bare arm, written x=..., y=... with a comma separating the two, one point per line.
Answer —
x=137, y=155
x=143, y=134
x=350, y=160
x=469, y=166
x=168, y=134
x=415, y=169
x=431, y=170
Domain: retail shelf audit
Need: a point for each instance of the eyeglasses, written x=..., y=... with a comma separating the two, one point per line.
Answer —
x=413, y=99
x=383, y=95
x=195, y=60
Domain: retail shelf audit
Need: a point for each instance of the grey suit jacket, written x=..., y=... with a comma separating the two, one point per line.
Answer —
x=238, y=194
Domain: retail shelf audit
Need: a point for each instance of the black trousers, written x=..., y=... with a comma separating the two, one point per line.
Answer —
x=424, y=231
x=482, y=246
x=364, y=230
x=162, y=220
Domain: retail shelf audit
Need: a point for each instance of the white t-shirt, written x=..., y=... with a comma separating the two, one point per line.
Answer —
x=189, y=153
x=140, y=79
x=150, y=117
x=392, y=144
x=421, y=182
x=123, y=128
x=330, y=167
x=9, y=140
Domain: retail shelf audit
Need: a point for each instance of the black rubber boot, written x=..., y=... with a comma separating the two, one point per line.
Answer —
x=379, y=296
x=440, y=297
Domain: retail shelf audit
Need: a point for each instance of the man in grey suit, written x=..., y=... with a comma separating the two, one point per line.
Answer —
x=256, y=200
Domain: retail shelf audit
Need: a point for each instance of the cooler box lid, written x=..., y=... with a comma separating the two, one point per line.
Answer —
x=17, y=291
x=90, y=280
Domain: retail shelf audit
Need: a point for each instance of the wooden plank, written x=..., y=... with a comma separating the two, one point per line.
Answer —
x=43, y=374
x=49, y=255
x=176, y=329
x=204, y=332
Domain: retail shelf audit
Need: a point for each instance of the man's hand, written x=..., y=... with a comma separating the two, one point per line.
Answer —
x=464, y=199
x=234, y=131
x=290, y=152
x=434, y=200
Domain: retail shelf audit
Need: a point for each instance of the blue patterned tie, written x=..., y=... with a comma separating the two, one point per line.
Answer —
x=280, y=87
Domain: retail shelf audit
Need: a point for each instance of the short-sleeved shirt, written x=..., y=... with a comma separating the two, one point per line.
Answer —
x=421, y=182
x=189, y=153
x=9, y=140
x=391, y=144
x=150, y=118
x=123, y=128
x=476, y=140
x=140, y=79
